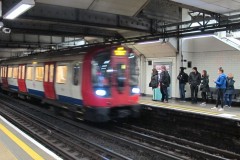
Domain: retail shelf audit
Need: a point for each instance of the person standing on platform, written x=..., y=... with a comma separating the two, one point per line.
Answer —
x=221, y=87
x=183, y=79
x=204, y=87
x=194, y=81
x=154, y=84
x=229, y=90
x=164, y=83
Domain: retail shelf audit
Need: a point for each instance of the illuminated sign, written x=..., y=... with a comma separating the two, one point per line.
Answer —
x=120, y=51
x=123, y=66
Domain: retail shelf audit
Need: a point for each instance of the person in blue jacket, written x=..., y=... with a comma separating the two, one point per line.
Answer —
x=221, y=87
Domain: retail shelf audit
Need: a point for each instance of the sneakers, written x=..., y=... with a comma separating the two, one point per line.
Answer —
x=229, y=106
x=215, y=108
x=226, y=106
x=203, y=104
x=221, y=109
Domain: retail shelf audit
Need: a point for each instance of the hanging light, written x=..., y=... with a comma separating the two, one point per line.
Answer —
x=19, y=9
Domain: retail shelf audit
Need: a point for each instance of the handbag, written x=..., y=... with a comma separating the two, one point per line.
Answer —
x=150, y=84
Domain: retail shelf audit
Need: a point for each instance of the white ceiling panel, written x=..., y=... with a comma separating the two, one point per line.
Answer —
x=122, y=7
x=82, y=4
x=156, y=50
x=218, y=6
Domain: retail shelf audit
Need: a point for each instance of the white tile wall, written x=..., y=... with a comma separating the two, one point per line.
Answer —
x=210, y=54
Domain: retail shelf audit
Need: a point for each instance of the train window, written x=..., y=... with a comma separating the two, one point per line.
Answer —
x=61, y=76
x=101, y=70
x=76, y=69
x=23, y=72
x=1, y=71
x=29, y=73
x=39, y=73
x=19, y=72
x=15, y=72
x=51, y=74
x=46, y=73
x=134, y=70
x=10, y=71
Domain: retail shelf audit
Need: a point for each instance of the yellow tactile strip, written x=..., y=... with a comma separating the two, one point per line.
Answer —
x=5, y=154
x=20, y=143
x=204, y=111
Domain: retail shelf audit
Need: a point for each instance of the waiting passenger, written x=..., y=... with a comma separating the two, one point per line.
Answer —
x=194, y=81
x=164, y=83
x=221, y=87
x=204, y=87
x=229, y=90
x=183, y=79
x=154, y=84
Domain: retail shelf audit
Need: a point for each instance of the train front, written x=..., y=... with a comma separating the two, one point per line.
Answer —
x=113, y=91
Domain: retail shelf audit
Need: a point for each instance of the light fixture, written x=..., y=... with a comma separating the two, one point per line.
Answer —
x=101, y=92
x=19, y=9
x=199, y=36
x=135, y=90
x=149, y=42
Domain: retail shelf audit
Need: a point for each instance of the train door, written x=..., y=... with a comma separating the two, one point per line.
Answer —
x=62, y=83
x=22, y=78
x=169, y=69
x=4, y=70
x=120, y=88
x=48, y=80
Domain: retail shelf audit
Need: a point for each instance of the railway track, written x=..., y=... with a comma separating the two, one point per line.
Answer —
x=62, y=142
x=156, y=145
x=179, y=145
x=129, y=149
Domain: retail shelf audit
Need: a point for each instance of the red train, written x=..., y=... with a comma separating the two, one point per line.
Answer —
x=99, y=83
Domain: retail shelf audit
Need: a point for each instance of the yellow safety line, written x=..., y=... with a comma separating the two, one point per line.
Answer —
x=183, y=108
x=21, y=144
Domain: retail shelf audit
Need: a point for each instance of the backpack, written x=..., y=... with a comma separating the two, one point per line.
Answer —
x=167, y=79
x=154, y=82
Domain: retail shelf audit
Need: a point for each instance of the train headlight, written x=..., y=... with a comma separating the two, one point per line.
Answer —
x=101, y=92
x=135, y=90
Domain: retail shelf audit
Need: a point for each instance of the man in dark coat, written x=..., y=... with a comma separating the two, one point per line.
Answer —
x=164, y=83
x=194, y=81
x=183, y=79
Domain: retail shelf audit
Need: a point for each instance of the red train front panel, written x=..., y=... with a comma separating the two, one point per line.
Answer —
x=110, y=78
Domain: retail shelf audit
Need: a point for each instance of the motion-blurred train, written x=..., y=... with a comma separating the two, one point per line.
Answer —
x=99, y=83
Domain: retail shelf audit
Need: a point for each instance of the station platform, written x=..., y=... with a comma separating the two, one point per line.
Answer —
x=232, y=113
x=16, y=145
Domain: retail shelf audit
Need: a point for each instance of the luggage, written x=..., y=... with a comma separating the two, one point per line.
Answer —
x=157, y=96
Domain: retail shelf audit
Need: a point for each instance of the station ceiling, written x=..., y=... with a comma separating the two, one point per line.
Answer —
x=52, y=23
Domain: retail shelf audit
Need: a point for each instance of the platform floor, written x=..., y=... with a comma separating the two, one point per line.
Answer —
x=16, y=145
x=228, y=113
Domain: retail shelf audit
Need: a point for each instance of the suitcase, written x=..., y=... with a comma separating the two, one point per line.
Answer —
x=157, y=96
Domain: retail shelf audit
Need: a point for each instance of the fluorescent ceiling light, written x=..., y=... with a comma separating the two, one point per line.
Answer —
x=200, y=36
x=149, y=42
x=1, y=24
x=19, y=9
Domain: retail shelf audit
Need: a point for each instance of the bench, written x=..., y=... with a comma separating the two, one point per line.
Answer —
x=212, y=95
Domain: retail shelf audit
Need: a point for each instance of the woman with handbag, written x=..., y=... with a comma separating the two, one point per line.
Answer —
x=204, y=87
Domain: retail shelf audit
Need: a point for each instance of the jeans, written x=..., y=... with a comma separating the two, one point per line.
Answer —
x=228, y=99
x=194, y=92
x=220, y=94
x=182, y=90
x=204, y=96
x=164, y=92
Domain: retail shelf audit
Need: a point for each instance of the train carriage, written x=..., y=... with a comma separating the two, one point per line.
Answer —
x=101, y=83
